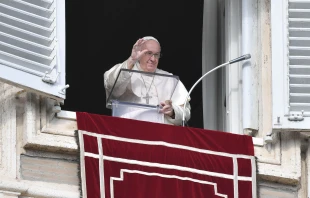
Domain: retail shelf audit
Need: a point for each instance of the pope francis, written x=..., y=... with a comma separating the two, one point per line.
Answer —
x=168, y=93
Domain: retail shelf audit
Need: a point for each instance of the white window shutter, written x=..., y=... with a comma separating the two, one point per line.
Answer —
x=32, y=45
x=290, y=27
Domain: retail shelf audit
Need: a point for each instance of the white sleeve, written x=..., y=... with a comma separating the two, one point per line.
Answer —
x=123, y=80
x=178, y=114
x=178, y=99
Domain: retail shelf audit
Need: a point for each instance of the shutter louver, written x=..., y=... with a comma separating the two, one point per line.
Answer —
x=27, y=35
x=299, y=55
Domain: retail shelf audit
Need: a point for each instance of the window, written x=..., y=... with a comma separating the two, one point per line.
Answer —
x=222, y=91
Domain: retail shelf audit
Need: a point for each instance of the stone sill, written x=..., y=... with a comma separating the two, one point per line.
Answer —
x=39, y=189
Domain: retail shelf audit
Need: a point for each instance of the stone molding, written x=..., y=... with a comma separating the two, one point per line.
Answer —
x=39, y=189
x=42, y=128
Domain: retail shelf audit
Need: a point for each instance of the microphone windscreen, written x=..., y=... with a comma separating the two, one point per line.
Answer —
x=247, y=56
x=241, y=58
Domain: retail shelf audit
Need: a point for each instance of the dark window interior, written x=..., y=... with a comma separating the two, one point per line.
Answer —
x=100, y=34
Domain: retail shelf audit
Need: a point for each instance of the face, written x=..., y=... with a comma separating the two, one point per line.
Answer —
x=149, y=60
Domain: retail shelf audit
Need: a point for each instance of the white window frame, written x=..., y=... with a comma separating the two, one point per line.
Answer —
x=280, y=71
x=233, y=72
x=216, y=116
x=34, y=83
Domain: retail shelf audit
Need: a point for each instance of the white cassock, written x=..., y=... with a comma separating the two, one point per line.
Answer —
x=135, y=87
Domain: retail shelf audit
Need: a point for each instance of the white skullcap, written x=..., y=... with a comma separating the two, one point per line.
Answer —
x=146, y=38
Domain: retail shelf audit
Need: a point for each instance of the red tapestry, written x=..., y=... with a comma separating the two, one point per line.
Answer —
x=134, y=159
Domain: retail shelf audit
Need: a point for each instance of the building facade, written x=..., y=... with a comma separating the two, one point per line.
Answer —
x=266, y=97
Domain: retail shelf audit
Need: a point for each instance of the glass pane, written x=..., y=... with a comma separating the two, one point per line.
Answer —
x=143, y=88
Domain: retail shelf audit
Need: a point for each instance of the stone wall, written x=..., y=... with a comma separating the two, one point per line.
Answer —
x=38, y=151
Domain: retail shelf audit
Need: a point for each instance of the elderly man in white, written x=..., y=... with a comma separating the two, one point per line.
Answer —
x=157, y=90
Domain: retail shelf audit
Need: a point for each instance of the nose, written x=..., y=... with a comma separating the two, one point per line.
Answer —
x=153, y=57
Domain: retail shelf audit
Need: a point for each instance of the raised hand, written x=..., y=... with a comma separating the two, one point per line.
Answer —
x=136, y=53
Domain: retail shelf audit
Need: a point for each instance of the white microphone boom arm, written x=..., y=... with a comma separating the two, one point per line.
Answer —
x=241, y=58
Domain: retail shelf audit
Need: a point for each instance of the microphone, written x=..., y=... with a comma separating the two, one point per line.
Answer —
x=241, y=58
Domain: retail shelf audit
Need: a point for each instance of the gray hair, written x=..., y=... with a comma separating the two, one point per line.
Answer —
x=146, y=38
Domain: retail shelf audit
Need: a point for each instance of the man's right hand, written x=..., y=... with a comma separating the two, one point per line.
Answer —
x=136, y=53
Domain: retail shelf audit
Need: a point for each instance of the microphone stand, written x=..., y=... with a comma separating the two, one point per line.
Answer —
x=241, y=58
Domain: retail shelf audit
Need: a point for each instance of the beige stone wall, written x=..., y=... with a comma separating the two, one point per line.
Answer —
x=48, y=169
x=38, y=151
x=282, y=164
